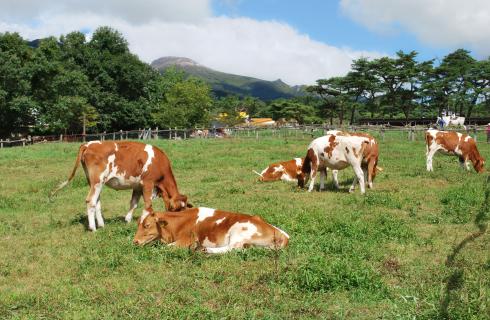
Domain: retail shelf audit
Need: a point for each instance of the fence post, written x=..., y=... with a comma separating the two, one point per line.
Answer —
x=474, y=133
x=382, y=133
x=126, y=135
x=156, y=134
x=1, y=144
x=120, y=134
x=61, y=137
x=23, y=142
x=175, y=133
x=114, y=135
x=185, y=135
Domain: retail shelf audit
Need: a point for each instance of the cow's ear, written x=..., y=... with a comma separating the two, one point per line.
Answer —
x=189, y=205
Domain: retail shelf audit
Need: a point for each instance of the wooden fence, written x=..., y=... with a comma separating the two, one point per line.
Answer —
x=306, y=131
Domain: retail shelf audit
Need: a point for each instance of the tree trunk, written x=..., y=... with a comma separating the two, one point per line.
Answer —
x=352, y=114
x=470, y=108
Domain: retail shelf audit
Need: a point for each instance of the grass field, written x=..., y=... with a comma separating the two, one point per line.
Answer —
x=382, y=255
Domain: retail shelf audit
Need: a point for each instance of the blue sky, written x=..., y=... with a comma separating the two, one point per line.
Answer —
x=324, y=21
x=295, y=41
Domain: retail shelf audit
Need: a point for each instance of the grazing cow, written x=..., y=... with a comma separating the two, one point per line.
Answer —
x=337, y=151
x=286, y=171
x=125, y=165
x=215, y=231
x=453, y=143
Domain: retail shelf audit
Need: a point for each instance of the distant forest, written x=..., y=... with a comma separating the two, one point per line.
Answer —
x=70, y=84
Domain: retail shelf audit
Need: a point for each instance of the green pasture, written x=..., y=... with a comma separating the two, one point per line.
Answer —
x=415, y=246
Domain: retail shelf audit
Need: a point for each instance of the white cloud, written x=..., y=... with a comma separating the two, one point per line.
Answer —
x=263, y=49
x=136, y=12
x=446, y=23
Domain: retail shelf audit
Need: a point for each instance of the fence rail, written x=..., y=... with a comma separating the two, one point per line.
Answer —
x=381, y=132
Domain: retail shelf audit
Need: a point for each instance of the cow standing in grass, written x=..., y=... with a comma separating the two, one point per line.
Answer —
x=453, y=143
x=215, y=231
x=338, y=150
x=123, y=165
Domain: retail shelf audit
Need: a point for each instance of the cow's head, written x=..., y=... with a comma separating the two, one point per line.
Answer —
x=176, y=203
x=479, y=164
x=148, y=229
x=152, y=227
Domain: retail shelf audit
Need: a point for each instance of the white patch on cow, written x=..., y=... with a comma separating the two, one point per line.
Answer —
x=467, y=139
x=299, y=162
x=92, y=142
x=116, y=146
x=282, y=231
x=240, y=233
x=151, y=155
x=208, y=244
x=220, y=220
x=204, y=213
x=279, y=168
x=286, y=177
x=145, y=214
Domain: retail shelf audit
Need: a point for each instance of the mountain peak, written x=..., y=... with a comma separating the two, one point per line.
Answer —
x=165, y=62
x=224, y=84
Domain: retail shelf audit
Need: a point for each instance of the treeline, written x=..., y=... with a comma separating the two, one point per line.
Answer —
x=402, y=87
x=72, y=84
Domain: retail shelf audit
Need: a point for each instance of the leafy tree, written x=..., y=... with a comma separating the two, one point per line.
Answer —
x=289, y=109
x=186, y=103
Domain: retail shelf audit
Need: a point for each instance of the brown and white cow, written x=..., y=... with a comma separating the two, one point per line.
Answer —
x=215, y=231
x=287, y=171
x=453, y=143
x=337, y=151
x=123, y=165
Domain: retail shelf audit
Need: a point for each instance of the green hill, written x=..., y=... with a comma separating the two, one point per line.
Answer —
x=224, y=84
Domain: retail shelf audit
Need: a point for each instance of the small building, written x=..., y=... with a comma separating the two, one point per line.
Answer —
x=261, y=122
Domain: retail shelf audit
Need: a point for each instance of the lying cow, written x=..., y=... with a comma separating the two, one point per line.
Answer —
x=453, y=143
x=337, y=151
x=286, y=171
x=215, y=231
x=125, y=165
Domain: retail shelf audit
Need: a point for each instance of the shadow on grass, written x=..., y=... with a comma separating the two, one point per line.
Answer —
x=456, y=280
x=82, y=219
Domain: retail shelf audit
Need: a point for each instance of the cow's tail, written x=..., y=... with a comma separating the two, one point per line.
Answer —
x=305, y=169
x=82, y=149
x=257, y=173
x=427, y=141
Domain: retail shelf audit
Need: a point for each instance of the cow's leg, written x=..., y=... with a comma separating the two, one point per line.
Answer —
x=468, y=165
x=312, y=180
x=219, y=249
x=135, y=198
x=430, y=154
x=360, y=176
x=323, y=175
x=371, y=171
x=354, y=183
x=147, y=195
x=91, y=200
x=98, y=214
x=335, y=176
